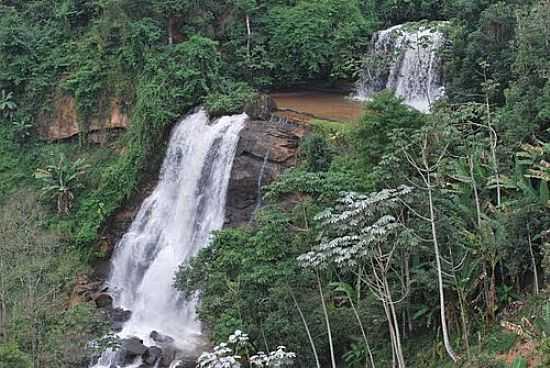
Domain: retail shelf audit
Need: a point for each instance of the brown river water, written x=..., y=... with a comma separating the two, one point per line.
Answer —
x=324, y=105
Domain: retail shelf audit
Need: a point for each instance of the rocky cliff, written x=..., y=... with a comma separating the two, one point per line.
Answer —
x=262, y=144
x=63, y=122
x=265, y=150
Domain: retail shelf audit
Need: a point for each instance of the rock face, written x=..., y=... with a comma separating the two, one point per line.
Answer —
x=265, y=150
x=261, y=108
x=63, y=122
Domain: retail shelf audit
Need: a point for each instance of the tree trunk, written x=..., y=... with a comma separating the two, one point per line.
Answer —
x=327, y=321
x=444, y=329
x=306, y=327
x=361, y=327
x=399, y=348
x=464, y=321
x=391, y=330
x=248, y=34
x=170, y=30
x=533, y=263
x=3, y=309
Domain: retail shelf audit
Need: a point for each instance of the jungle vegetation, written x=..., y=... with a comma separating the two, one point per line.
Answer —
x=413, y=234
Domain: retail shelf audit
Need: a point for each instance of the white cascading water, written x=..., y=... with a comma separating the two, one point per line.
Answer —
x=405, y=59
x=173, y=223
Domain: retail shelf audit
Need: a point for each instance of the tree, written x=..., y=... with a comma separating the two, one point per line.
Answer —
x=61, y=180
x=313, y=39
x=427, y=165
x=362, y=230
x=36, y=270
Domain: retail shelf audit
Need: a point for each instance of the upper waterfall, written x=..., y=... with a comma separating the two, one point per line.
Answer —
x=173, y=223
x=405, y=59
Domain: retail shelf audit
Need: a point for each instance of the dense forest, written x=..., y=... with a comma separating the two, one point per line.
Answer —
x=401, y=239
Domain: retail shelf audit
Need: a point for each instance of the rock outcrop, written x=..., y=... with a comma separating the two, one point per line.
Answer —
x=265, y=150
x=260, y=108
x=63, y=121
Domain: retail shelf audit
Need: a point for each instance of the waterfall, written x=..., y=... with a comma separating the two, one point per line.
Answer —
x=405, y=59
x=173, y=223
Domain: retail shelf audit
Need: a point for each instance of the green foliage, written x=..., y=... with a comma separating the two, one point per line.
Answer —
x=334, y=132
x=12, y=357
x=100, y=51
x=60, y=180
x=229, y=98
x=384, y=116
x=316, y=153
x=322, y=185
x=245, y=278
x=7, y=105
x=320, y=37
x=500, y=342
x=22, y=130
x=36, y=269
x=519, y=362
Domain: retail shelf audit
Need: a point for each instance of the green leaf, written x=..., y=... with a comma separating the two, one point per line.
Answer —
x=519, y=362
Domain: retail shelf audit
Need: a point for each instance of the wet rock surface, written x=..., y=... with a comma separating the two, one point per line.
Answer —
x=132, y=350
x=263, y=144
x=151, y=355
x=133, y=346
x=161, y=339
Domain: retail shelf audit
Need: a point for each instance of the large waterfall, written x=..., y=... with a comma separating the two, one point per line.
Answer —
x=174, y=222
x=405, y=59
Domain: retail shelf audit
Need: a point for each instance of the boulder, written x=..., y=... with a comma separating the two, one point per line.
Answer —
x=133, y=346
x=103, y=300
x=120, y=315
x=168, y=355
x=260, y=108
x=151, y=355
x=160, y=338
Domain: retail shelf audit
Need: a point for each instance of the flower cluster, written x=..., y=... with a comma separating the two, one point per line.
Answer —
x=234, y=353
x=275, y=359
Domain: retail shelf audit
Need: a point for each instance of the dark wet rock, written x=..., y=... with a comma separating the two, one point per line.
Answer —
x=167, y=356
x=120, y=315
x=133, y=346
x=117, y=326
x=160, y=338
x=261, y=142
x=260, y=108
x=103, y=300
x=151, y=355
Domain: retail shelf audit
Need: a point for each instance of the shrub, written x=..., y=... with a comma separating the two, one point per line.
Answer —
x=230, y=99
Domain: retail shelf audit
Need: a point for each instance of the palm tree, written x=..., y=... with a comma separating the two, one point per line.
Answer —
x=60, y=181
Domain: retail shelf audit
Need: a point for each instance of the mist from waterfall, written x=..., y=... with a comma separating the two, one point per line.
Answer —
x=173, y=223
x=405, y=59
